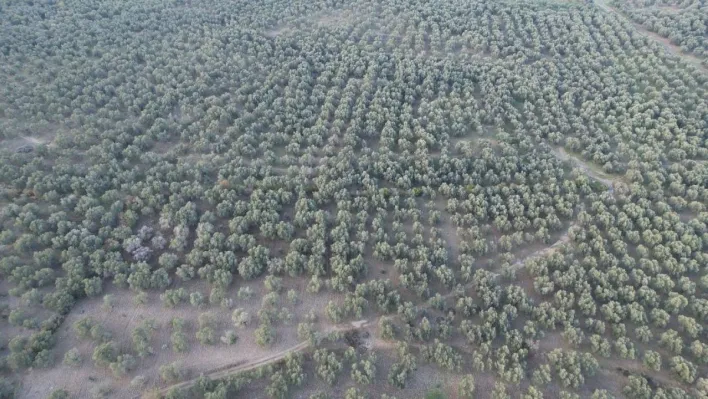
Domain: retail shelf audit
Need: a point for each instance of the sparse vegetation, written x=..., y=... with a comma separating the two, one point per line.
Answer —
x=206, y=333
x=328, y=366
x=179, y=340
x=682, y=22
x=72, y=358
x=172, y=372
x=229, y=338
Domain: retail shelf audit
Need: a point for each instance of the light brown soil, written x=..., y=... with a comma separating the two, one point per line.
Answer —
x=21, y=133
x=328, y=19
x=278, y=31
x=126, y=316
x=242, y=365
x=670, y=47
x=336, y=19
x=613, y=368
x=589, y=170
x=21, y=141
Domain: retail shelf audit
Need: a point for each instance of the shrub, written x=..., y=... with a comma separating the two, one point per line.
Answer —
x=172, y=372
x=72, y=358
x=229, y=337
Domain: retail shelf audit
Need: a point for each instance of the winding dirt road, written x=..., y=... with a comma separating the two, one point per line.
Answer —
x=239, y=367
x=670, y=48
x=563, y=155
x=245, y=365
x=544, y=251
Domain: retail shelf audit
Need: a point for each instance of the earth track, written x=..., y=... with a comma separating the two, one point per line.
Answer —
x=238, y=367
x=241, y=366
x=670, y=48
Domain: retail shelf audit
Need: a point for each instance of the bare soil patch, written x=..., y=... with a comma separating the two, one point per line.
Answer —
x=21, y=141
x=326, y=19
x=125, y=316
x=335, y=19
x=21, y=133
x=618, y=370
x=279, y=31
x=588, y=169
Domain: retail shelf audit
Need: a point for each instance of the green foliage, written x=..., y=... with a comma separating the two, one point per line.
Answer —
x=241, y=318
x=364, y=371
x=307, y=332
x=637, y=388
x=532, y=393
x=683, y=368
x=293, y=369
x=245, y=293
x=353, y=393
x=273, y=283
x=138, y=382
x=72, y=358
x=141, y=337
x=172, y=298
x=327, y=366
x=443, y=355
x=104, y=354
x=435, y=394
x=172, y=372
x=680, y=25
x=229, y=338
x=140, y=298
x=217, y=296
x=7, y=389
x=109, y=302
x=196, y=299
x=652, y=360
x=572, y=367
x=293, y=297
x=386, y=329
x=123, y=365
x=424, y=331
x=264, y=335
x=466, y=387
x=278, y=387
x=601, y=394
x=334, y=312
x=401, y=370
x=18, y=317
x=101, y=391
x=499, y=391
x=178, y=338
x=59, y=394
x=82, y=327
x=409, y=158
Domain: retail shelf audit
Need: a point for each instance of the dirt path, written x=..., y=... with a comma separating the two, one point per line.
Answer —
x=522, y=262
x=670, y=48
x=614, y=368
x=544, y=251
x=238, y=367
x=33, y=140
x=245, y=365
x=563, y=155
